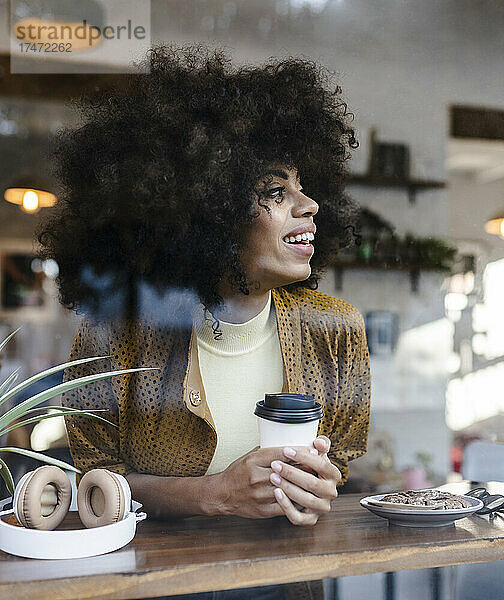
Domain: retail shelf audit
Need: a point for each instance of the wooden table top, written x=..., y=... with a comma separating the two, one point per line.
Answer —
x=195, y=554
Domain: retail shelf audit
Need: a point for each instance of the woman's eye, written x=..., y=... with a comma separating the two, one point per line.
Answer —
x=276, y=192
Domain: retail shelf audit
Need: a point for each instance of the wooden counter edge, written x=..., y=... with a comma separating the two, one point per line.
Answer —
x=249, y=573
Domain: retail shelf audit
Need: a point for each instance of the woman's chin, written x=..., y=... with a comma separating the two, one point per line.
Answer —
x=297, y=275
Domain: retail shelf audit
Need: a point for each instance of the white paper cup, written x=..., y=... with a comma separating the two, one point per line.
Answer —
x=288, y=420
x=272, y=434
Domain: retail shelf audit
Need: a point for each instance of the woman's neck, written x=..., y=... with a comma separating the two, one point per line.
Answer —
x=239, y=308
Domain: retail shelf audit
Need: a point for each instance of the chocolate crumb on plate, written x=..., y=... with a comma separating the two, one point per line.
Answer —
x=427, y=499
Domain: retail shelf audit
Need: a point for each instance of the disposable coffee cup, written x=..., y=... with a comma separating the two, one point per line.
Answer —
x=288, y=420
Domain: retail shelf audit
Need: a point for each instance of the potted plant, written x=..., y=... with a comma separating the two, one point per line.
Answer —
x=15, y=417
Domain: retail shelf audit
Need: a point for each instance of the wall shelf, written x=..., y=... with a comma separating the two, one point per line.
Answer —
x=412, y=269
x=411, y=185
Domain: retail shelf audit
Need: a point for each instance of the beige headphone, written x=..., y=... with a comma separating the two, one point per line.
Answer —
x=103, y=497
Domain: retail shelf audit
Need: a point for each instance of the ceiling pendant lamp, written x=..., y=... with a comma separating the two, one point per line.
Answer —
x=495, y=225
x=30, y=194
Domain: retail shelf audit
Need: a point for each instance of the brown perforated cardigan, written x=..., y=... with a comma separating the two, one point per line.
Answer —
x=164, y=426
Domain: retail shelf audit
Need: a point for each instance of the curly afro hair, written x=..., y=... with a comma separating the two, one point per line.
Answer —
x=159, y=182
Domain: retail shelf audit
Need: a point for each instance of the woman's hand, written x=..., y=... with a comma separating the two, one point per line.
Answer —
x=294, y=485
x=244, y=488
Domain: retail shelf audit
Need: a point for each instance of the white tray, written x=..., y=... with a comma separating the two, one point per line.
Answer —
x=74, y=543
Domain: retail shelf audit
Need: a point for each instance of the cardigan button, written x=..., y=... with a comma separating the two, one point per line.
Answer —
x=194, y=398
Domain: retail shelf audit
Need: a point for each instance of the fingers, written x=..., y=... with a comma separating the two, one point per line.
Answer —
x=318, y=504
x=294, y=478
x=295, y=516
x=304, y=498
x=301, y=467
x=264, y=456
x=322, y=443
x=272, y=510
x=301, y=491
x=318, y=463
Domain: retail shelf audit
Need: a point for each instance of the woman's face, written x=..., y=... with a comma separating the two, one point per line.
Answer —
x=280, y=244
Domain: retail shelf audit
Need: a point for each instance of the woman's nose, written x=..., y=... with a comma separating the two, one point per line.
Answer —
x=305, y=206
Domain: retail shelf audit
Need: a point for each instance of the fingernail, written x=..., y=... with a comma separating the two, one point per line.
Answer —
x=276, y=479
x=278, y=494
x=276, y=466
x=313, y=451
x=289, y=452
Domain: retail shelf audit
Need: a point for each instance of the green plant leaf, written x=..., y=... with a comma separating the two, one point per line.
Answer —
x=2, y=344
x=64, y=408
x=42, y=457
x=27, y=382
x=6, y=385
x=84, y=413
x=7, y=476
x=17, y=411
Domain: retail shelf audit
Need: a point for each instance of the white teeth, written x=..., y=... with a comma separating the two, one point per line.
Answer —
x=300, y=237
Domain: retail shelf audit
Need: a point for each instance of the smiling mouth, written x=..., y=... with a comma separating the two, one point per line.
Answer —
x=301, y=239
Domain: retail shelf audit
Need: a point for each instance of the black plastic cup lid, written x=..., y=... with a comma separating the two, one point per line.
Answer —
x=289, y=408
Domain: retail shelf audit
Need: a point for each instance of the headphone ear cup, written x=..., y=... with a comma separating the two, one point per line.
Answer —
x=27, y=502
x=103, y=497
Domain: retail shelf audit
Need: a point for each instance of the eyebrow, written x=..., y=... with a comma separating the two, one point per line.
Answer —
x=280, y=173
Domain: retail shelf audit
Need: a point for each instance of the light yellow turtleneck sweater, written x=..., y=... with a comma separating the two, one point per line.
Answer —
x=237, y=370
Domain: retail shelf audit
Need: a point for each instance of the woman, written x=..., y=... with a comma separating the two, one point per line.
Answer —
x=192, y=197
